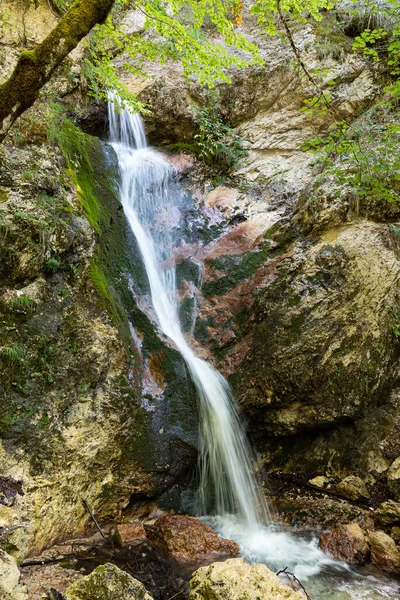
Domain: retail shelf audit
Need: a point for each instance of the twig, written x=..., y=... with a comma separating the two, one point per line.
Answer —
x=175, y=595
x=95, y=521
x=289, y=574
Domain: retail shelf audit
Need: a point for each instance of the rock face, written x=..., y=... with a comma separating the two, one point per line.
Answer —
x=187, y=538
x=346, y=542
x=9, y=579
x=236, y=580
x=384, y=552
x=82, y=367
x=310, y=349
x=107, y=582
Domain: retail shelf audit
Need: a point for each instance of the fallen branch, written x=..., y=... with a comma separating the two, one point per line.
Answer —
x=95, y=521
x=293, y=576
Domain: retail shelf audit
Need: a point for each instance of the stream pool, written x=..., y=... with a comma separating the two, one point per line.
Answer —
x=323, y=577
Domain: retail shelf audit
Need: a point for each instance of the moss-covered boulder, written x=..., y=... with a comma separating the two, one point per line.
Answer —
x=107, y=582
x=235, y=580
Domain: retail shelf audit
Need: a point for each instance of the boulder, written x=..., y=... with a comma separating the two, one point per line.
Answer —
x=352, y=488
x=393, y=478
x=384, y=552
x=9, y=579
x=236, y=580
x=107, y=582
x=346, y=542
x=388, y=513
x=188, y=538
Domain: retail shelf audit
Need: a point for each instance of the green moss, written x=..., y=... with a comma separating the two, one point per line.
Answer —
x=77, y=147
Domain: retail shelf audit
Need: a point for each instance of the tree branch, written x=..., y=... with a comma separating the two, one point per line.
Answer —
x=35, y=67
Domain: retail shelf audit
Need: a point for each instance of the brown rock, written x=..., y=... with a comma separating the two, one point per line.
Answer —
x=346, y=542
x=384, y=552
x=188, y=538
x=129, y=532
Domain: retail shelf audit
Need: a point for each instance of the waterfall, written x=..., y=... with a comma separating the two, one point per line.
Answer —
x=147, y=195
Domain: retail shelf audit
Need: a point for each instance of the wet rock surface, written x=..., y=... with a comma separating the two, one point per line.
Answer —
x=346, y=542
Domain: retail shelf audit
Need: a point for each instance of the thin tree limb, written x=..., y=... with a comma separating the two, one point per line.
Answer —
x=35, y=67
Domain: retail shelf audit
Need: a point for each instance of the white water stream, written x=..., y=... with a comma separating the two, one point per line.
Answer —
x=225, y=464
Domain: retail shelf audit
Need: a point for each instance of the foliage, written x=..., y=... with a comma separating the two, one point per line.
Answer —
x=52, y=264
x=216, y=142
x=22, y=304
x=364, y=155
x=13, y=354
x=179, y=33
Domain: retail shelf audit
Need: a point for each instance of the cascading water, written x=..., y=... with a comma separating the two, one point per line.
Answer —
x=225, y=456
x=225, y=465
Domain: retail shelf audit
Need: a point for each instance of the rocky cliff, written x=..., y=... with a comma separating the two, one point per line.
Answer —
x=289, y=284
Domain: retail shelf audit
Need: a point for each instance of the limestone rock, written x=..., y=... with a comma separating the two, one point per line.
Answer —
x=388, y=513
x=393, y=478
x=236, y=580
x=346, y=542
x=9, y=579
x=352, y=488
x=107, y=582
x=315, y=334
x=384, y=552
x=188, y=538
x=8, y=516
x=320, y=481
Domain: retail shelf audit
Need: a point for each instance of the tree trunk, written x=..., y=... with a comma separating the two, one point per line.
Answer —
x=35, y=67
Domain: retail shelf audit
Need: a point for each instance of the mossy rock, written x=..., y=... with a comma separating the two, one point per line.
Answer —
x=107, y=582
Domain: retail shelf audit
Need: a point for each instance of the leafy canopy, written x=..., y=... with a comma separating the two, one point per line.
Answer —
x=203, y=35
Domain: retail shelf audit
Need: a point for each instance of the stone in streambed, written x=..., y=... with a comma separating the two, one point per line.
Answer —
x=352, y=488
x=320, y=482
x=346, y=542
x=384, y=552
x=130, y=532
x=188, y=538
x=236, y=580
x=107, y=582
x=388, y=513
x=393, y=478
x=9, y=579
